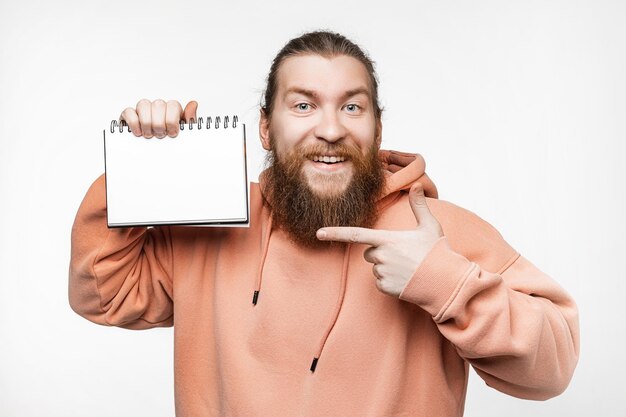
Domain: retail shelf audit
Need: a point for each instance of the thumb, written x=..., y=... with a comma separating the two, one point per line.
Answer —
x=418, y=203
x=190, y=111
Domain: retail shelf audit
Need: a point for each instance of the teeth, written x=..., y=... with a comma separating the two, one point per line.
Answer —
x=328, y=159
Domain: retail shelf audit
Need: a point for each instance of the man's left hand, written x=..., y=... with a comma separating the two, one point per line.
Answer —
x=395, y=254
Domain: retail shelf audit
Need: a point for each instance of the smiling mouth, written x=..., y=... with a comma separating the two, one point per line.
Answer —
x=327, y=159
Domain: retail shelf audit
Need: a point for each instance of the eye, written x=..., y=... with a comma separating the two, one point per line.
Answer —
x=353, y=108
x=302, y=107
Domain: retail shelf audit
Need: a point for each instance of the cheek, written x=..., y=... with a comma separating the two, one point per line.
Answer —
x=364, y=136
x=287, y=133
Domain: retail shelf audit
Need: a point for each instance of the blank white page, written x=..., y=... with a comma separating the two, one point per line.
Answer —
x=198, y=177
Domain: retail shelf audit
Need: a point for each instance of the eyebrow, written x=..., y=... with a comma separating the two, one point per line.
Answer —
x=315, y=95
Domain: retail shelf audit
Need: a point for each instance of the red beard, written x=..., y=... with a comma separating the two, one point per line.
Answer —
x=301, y=212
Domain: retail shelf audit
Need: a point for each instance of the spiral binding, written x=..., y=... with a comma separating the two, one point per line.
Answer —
x=197, y=124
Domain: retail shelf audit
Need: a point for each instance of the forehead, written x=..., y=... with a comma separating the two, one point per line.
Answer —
x=330, y=76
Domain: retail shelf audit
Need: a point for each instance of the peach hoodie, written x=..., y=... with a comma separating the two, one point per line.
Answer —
x=320, y=339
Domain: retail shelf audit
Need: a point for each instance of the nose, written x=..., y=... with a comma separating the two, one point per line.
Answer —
x=330, y=127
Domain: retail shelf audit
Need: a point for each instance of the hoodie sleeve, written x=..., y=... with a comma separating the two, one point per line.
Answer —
x=122, y=276
x=516, y=326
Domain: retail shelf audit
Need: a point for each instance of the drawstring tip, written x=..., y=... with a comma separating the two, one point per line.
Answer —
x=314, y=364
x=255, y=298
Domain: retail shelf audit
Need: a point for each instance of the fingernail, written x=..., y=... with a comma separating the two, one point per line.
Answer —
x=321, y=234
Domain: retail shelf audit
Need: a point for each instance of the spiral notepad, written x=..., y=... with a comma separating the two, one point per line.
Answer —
x=197, y=178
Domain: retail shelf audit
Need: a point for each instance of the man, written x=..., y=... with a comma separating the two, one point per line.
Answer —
x=355, y=291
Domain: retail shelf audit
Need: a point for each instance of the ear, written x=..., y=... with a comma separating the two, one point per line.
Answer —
x=264, y=130
x=379, y=132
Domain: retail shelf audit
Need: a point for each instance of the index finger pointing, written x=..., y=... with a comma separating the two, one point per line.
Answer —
x=352, y=235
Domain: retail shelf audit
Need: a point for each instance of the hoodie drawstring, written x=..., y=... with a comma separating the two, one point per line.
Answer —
x=342, y=290
x=259, y=277
x=342, y=293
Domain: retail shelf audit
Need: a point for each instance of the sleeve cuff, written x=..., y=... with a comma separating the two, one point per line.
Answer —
x=437, y=279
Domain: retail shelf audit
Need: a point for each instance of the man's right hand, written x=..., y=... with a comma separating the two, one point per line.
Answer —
x=158, y=118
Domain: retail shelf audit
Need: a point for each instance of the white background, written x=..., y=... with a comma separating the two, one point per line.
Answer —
x=517, y=106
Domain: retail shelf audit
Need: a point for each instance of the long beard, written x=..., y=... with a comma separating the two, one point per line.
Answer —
x=301, y=212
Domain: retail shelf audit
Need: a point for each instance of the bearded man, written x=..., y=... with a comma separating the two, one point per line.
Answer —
x=354, y=292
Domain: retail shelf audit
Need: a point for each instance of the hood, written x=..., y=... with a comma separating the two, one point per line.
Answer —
x=403, y=170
